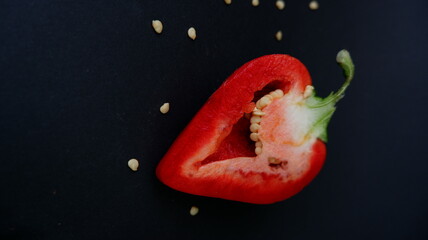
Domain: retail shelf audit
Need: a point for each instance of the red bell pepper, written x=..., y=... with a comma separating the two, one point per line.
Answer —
x=259, y=137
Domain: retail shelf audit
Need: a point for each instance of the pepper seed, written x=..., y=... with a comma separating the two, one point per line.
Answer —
x=133, y=164
x=308, y=91
x=254, y=137
x=164, y=108
x=278, y=35
x=191, y=33
x=255, y=3
x=280, y=4
x=157, y=26
x=313, y=5
x=274, y=161
x=194, y=210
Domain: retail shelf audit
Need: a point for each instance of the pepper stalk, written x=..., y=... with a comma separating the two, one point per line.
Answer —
x=322, y=109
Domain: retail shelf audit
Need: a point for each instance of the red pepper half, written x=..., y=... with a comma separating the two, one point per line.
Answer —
x=259, y=137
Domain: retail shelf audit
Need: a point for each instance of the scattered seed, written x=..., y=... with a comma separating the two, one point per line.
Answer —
x=255, y=3
x=157, y=26
x=228, y=2
x=254, y=137
x=254, y=127
x=255, y=119
x=191, y=33
x=278, y=35
x=194, y=210
x=133, y=164
x=308, y=91
x=164, y=108
x=258, y=150
x=280, y=4
x=313, y=5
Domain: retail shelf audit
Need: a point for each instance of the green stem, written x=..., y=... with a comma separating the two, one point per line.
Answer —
x=322, y=109
x=344, y=60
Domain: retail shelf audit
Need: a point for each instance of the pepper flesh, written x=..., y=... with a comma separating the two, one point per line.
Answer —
x=214, y=155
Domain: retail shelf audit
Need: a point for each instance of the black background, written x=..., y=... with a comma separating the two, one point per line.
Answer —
x=81, y=87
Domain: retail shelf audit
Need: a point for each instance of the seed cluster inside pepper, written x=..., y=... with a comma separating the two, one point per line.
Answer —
x=257, y=114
